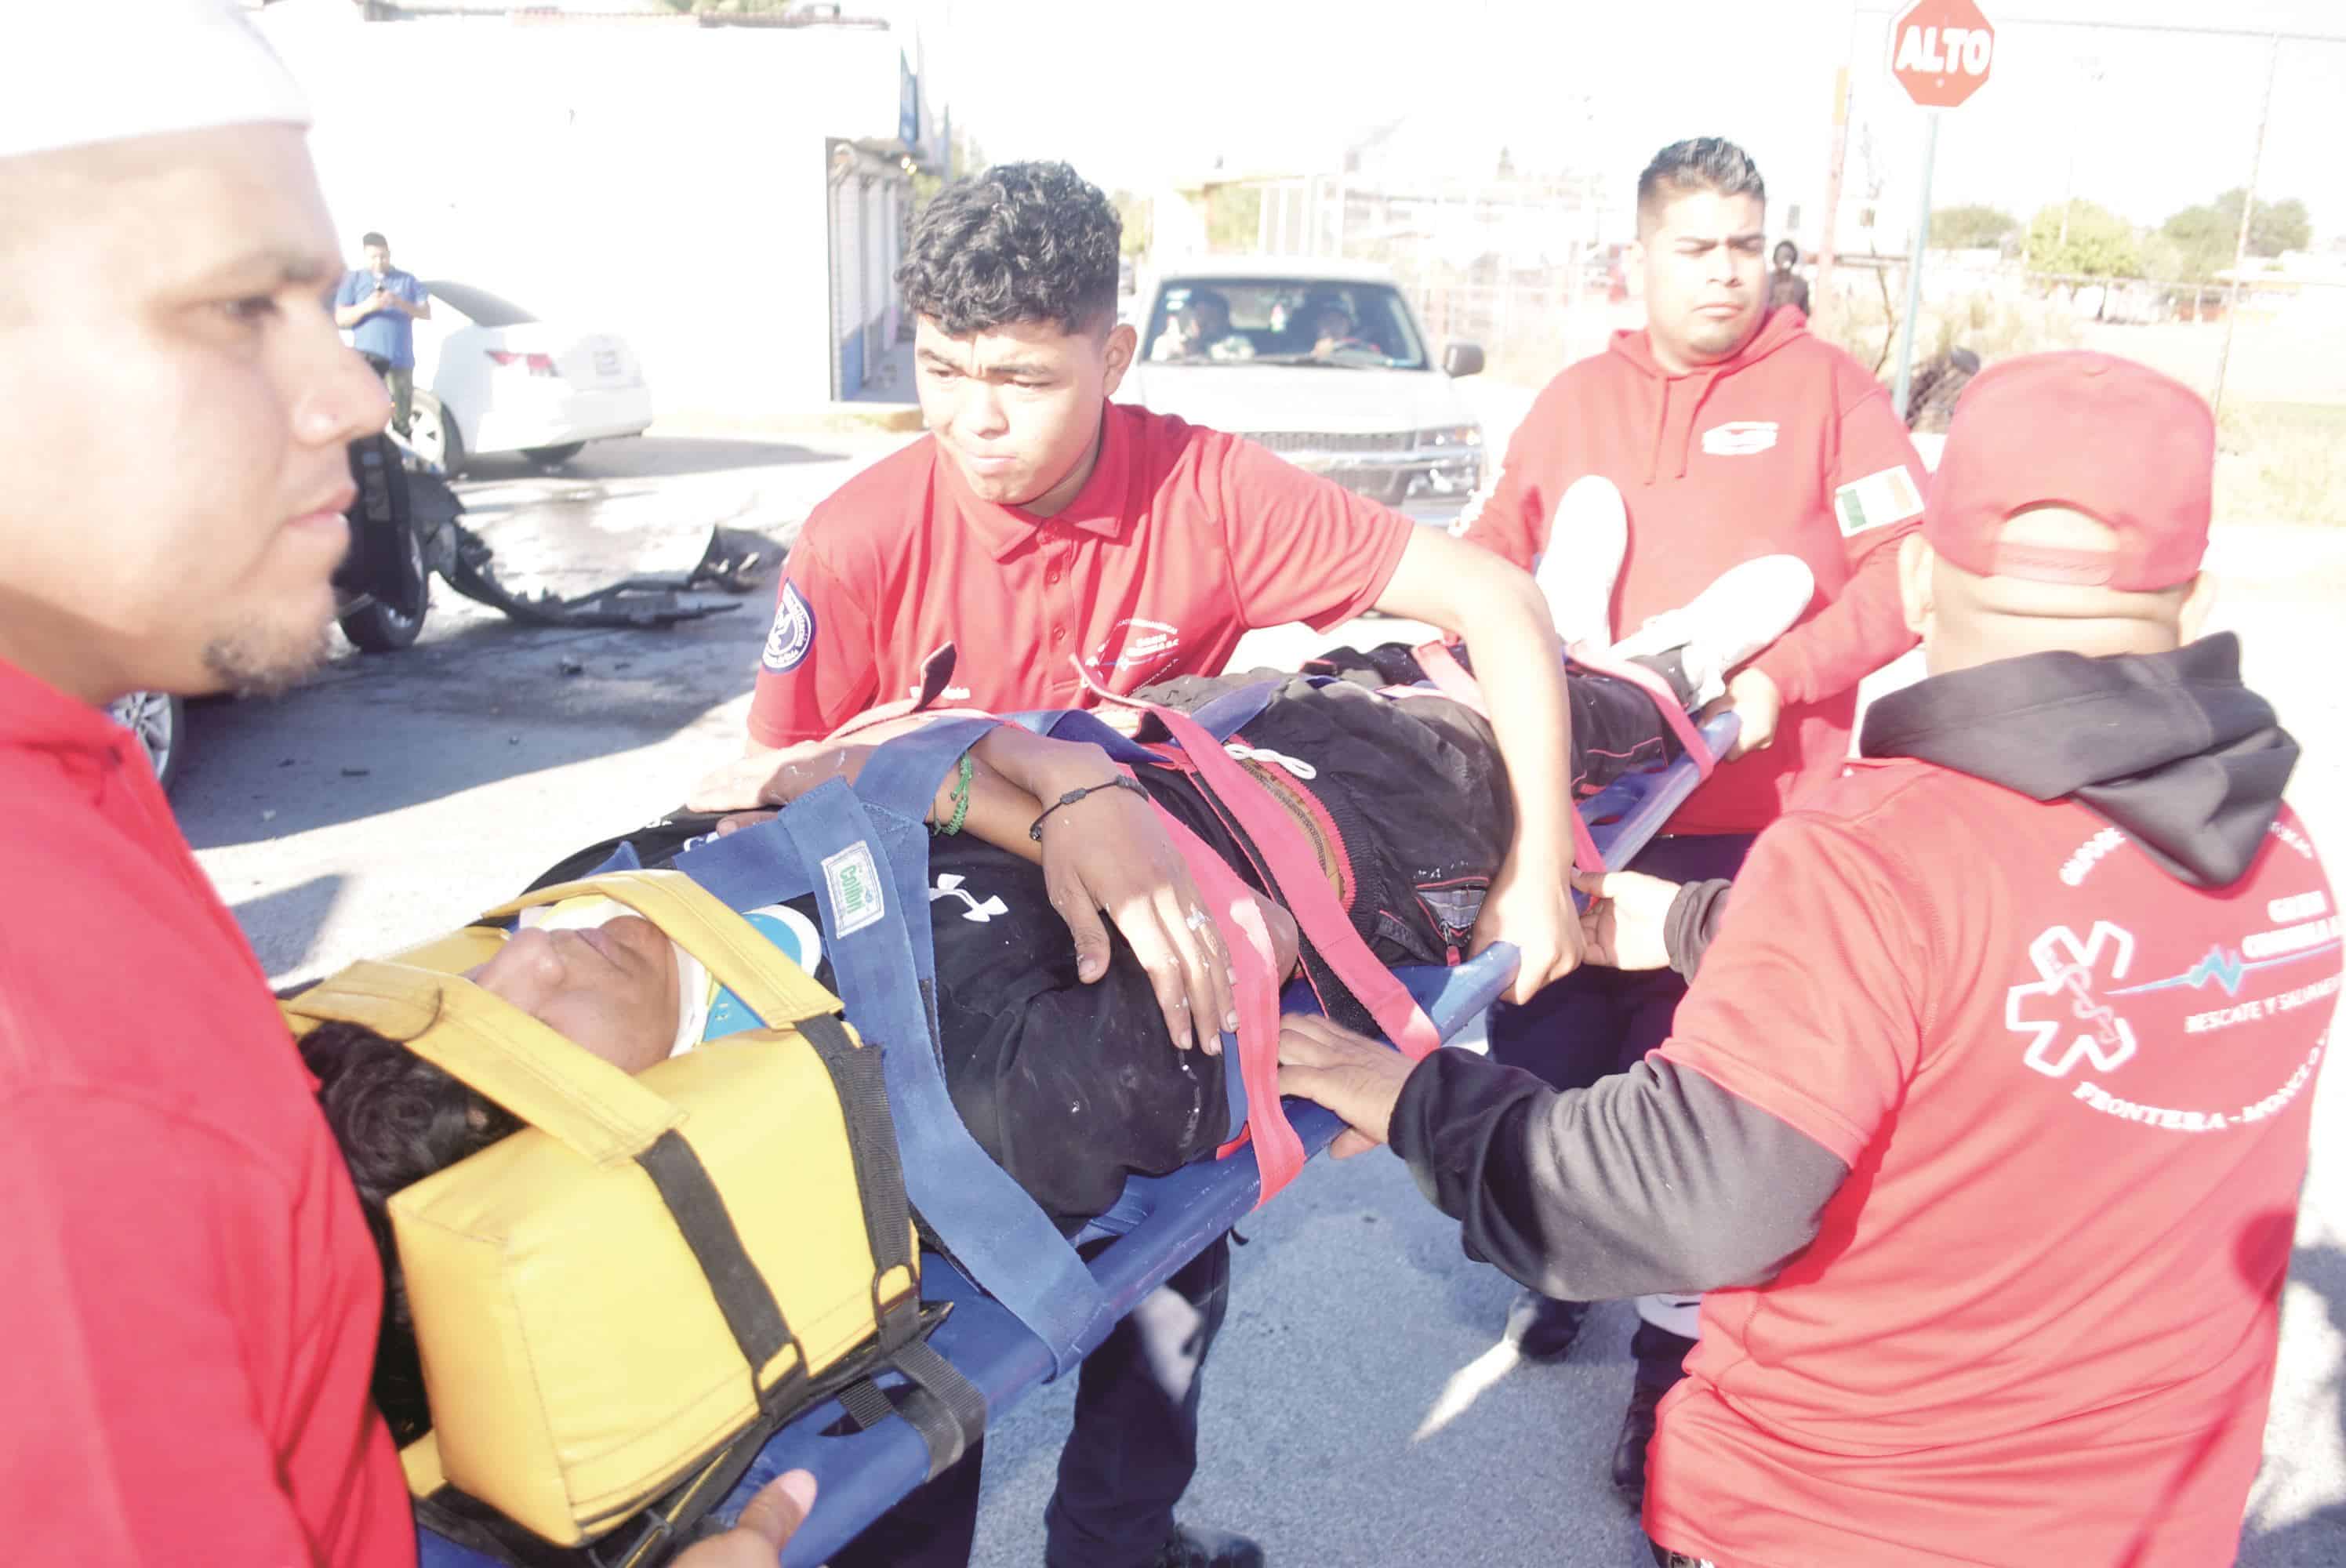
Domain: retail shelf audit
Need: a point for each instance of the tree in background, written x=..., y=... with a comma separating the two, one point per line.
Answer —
x=1233, y=217
x=2205, y=236
x=1139, y=222
x=964, y=156
x=2097, y=242
x=1972, y=227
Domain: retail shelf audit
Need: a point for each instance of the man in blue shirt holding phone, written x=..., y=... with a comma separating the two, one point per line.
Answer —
x=381, y=305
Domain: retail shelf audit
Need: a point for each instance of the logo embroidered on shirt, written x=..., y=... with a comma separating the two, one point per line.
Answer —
x=2071, y=1019
x=792, y=638
x=949, y=885
x=1877, y=500
x=853, y=879
x=1739, y=437
x=1143, y=643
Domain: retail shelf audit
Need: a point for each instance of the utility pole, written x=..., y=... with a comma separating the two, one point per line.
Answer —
x=2248, y=215
x=1822, y=291
x=1920, y=242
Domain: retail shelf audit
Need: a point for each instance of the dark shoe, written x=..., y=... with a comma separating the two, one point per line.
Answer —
x=1193, y=1548
x=1629, y=1453
x=1542, y=1328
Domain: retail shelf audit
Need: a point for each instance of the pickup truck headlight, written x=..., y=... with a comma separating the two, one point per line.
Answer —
x=1452, y=436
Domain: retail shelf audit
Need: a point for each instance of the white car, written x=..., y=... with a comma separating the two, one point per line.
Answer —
x=1321, y=361
x=491, y=377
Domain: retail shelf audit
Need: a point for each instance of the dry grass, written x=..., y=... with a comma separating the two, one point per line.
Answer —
x=1867, y=326
x=2278, y=461
x=2281, y=463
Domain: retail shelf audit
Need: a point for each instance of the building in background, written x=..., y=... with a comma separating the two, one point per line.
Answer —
x=732, y=198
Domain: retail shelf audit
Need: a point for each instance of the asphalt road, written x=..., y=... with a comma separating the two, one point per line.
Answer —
x=1346, y=1421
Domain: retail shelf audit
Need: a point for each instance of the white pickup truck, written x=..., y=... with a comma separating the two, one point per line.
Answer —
x=1321, y=361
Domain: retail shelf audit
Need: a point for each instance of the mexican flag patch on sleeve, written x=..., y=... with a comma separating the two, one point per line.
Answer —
x=1877, y=500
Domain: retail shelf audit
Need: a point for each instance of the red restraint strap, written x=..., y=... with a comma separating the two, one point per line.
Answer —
x=1451, y=679
x=1278, y=1152
x=1302, y=886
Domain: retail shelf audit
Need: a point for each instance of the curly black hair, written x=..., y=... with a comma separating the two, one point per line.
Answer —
x=1020, y=242
x=1703, y=163
x=398, y=1119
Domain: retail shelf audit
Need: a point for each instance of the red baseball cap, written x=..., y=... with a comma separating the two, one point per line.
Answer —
x=2108, y=437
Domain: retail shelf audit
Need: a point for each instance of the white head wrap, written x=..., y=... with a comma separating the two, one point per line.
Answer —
x=75, y=72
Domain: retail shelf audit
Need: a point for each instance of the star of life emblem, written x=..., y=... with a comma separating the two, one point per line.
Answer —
x=2063, y=1011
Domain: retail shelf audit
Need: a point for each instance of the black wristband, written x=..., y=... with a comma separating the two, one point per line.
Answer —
x=1121, y=781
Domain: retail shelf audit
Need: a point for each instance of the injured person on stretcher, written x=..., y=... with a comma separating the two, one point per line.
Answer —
x=1064, y=1066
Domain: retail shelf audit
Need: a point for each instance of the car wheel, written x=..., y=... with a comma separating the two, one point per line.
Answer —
x=431, y=432
x=553, y=456
x=159, y=720
x=379, y=626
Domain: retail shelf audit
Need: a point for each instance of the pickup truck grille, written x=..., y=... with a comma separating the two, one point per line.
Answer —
x=1333, y=441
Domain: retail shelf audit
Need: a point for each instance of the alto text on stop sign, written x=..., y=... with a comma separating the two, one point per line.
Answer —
x=1944, y=52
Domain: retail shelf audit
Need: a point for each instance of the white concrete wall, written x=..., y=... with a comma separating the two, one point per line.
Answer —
x=668, y=183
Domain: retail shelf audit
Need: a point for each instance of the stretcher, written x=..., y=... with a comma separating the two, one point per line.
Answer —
x=1157, y=1226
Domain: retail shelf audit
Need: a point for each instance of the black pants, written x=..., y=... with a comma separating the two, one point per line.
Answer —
x=1597, y=1022
x=1127, y=1463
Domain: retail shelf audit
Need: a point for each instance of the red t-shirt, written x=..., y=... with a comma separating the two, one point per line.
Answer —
x=2038, y=1323
x=1790, y=447
x=190, y=1319
x=1182, y=539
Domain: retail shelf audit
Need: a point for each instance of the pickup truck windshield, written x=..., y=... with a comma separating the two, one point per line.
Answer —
x=1231, y=321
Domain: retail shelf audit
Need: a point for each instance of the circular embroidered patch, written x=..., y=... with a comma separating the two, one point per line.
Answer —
x=792, y=638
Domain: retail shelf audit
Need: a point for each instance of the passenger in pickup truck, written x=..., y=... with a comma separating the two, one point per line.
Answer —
x=1201, y=330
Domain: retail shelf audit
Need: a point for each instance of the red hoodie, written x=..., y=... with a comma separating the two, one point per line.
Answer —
x=1790, y=447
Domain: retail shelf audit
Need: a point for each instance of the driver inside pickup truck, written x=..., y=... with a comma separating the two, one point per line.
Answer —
x=1070, y=1085
x=1337, y=334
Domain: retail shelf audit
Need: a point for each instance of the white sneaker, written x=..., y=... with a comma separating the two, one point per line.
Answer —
x=1744, y=609
x=1586, y=541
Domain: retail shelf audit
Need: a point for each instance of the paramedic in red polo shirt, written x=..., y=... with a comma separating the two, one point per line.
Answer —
x=1984, y=1124
x=1040, y=526
x=1728, y=431
x=192, y=1300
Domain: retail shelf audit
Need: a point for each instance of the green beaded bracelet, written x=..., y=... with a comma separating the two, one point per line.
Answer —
x=960, y=798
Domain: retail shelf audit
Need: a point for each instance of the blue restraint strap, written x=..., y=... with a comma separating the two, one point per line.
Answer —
x=869, y=873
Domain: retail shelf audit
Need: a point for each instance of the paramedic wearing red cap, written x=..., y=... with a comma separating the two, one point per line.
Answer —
x=1729, y=433
x=1985, y=1143
x=1041, y=527
x=192, y=1297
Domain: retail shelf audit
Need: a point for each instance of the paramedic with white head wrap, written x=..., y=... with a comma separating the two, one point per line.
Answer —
x=192, y=1297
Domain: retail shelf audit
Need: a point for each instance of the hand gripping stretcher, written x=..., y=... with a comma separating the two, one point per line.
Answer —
x=1023, y=1305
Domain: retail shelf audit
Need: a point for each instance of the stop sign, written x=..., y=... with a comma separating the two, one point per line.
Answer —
x=1940, y=51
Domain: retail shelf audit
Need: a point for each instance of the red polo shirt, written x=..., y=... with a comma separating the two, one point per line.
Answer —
x=1791, y=447
x=189, y=1317
x=1182, y=539
x=2038, y=1323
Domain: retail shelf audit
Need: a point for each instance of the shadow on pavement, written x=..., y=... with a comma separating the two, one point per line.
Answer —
x=2319, y=1539
x=484, y=702
x=301, y=909
x=648, y=457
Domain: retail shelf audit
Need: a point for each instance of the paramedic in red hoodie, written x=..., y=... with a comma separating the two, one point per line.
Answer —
x=1728, y=431
x=1984, y=1123
x=192, y=1297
